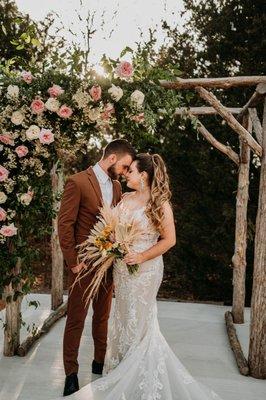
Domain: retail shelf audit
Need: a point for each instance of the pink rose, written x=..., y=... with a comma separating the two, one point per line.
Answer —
x=37, y=106
x=46, y=136
x=8, y=230
x=65, y=111
x=55, y=91
x=108, y=110
x=3, y=173
x=2, y=214
x=26, y=76
x=21, y=151
x=138, y=118
x=96, y=92
x=7, y=139
x=124, y=69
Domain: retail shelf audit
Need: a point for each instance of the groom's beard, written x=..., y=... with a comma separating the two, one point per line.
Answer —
x=112, y=172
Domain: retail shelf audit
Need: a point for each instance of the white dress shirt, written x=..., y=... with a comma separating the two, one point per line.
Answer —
x=105, y=182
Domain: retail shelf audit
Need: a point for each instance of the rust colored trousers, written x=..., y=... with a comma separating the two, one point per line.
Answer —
x=76, y=315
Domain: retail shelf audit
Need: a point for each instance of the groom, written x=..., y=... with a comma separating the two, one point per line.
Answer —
x=82, y=197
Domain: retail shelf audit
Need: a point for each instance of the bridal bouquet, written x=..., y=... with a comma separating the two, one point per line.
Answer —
x=110, y=239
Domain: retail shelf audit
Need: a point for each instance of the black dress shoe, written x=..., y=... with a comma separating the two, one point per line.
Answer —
x=97, y=368
x=71, y=384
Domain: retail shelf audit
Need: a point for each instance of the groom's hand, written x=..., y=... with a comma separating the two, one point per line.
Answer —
x=78, y=267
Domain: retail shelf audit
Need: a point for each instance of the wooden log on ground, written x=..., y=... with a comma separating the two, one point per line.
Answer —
x=239, y=257
x=230, y=119
x=235, y=345
x=227, y=150
x=257, y=343
x=256, y=124
x=13, y=317
x=57, y=256
x=222, y=83
x=257, y=96
x=25, y=346
x=204, y=110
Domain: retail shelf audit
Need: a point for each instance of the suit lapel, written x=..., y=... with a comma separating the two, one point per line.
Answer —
x=95, y=184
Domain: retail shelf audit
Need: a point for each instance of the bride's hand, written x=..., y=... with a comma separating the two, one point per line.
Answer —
x=133, y=258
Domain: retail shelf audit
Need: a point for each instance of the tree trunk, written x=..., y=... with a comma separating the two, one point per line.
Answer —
x=257, y=343
x=239, y=257
x=13, y=316
x=57, y=257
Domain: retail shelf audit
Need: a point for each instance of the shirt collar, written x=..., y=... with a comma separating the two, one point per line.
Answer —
x=101, y=174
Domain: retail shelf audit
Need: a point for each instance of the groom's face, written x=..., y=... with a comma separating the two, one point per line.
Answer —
x=120, y=166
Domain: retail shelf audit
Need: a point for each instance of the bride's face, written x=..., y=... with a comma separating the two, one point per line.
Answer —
x=133, y=176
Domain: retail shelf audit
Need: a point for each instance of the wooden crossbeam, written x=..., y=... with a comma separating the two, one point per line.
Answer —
x=223, y=83
x=205, y=110
x=227, y=150
x=230, y=119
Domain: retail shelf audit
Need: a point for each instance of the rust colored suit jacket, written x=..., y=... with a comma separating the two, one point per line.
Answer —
x=80, y=204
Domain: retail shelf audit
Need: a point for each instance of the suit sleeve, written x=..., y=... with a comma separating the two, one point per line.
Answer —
x=119, y=190
x=66, y=221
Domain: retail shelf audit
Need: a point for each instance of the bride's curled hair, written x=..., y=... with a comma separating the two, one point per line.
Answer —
x=158, y=181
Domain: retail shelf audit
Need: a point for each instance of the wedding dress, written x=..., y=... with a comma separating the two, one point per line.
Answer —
x=139, y=364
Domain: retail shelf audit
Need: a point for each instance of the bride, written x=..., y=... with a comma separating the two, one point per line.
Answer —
x=139, y=364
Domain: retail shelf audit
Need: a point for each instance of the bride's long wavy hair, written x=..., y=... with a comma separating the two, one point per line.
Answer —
x=158, y=181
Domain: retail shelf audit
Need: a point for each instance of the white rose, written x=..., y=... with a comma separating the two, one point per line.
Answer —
x=17, y=118
x=137, y=97
x=12, y=91
x=3, y=197
x=94, y=114
x=81, y=98
x=115, y=92
x=26, y=198
x=33, y=132
x=52, y=104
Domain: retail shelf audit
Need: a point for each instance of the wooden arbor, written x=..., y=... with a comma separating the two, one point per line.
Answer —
x=243, y=121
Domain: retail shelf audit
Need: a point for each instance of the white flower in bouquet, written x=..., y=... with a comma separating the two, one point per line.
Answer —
x=17, y=117
x=137, y=98
x=12, y=91
x=3, y=197
x=52, y=104
x=115, y=92
x=33, y=132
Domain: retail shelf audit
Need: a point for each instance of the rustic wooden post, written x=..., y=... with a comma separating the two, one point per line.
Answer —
x=57, y=257
x=257, y=343
x=239, y=257
x=13, y=316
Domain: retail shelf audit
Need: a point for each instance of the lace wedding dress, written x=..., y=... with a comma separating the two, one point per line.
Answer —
x=139, y=364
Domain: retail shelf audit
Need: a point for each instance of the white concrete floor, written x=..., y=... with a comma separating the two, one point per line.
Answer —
x=195, y=332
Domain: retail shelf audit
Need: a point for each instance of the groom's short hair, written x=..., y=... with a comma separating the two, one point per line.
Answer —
x=119, y=147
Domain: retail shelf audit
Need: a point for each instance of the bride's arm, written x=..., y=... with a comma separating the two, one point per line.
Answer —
x=167, y=240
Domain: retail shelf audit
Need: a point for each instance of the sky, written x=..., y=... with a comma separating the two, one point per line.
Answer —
x=123, y=19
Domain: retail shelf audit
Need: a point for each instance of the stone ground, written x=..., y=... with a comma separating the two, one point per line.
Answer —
x=196, y=333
